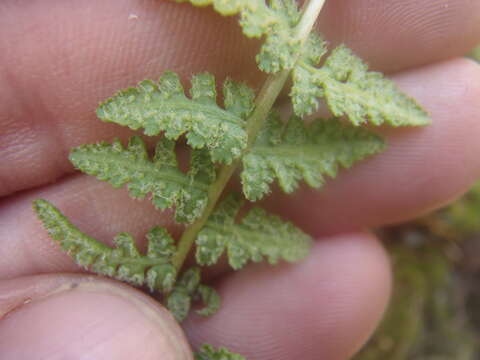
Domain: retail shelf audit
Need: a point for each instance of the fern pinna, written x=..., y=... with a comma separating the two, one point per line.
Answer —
x=243, y=133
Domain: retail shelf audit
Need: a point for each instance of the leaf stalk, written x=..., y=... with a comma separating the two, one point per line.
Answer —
x=263, y=104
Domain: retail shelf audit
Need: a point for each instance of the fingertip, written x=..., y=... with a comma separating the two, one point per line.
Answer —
x=421, y=169
x=325, y=307
x=449, y=147
x=78, y=317
x=393, y=36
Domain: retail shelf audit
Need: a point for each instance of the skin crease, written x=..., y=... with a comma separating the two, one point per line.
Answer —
x=59, y=58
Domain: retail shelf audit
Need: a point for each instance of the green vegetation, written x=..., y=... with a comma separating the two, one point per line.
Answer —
x=242, y=133
x=434, y=311
x=475, y=54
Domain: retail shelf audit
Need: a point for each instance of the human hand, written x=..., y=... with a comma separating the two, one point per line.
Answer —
x=59, y=58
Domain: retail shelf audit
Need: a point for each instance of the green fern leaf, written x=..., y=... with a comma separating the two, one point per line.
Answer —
x=258, y=235
x=275, y=20
x=351, y=90
x=208, y=352
x=188, y=289
x=305, y=93
x=210, y=298
x=163, y=106
x=161, y=177
x=123, y=262
x=179, y=303
x=300, y=152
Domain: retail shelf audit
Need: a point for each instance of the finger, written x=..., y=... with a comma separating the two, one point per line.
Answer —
x=421, y=170
x=323, y=308
x=395, y=35
x=53, y=74
x=71, y=317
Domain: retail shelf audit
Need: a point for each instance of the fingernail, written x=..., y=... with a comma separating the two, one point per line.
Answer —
x=91, y=320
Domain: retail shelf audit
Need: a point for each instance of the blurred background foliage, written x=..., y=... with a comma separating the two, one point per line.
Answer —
x=476, y=53
x=434, y=313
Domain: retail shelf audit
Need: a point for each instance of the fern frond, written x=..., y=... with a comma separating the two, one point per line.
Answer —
x=163, y=106
x=208, y=352
x=188, y=289
x=123, y=262
x=299, y=152
x=161, y=177
x=351, y=90
x=258, y=235
x=275, y=20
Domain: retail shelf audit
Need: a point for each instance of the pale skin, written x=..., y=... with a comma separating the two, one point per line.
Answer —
x=58, y=59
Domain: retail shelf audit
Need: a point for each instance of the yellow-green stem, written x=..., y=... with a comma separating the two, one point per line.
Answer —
x=263, y=104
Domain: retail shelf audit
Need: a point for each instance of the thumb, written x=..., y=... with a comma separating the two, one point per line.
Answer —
x=83, y=317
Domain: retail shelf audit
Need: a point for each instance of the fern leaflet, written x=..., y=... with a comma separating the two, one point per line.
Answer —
x=295, y=152
x=275, y=20
x=160, y=177
x=208, y=352
x=163, y=106
x=351, y=90
x=188, y=289
x=258, y=235
x=124, y=261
